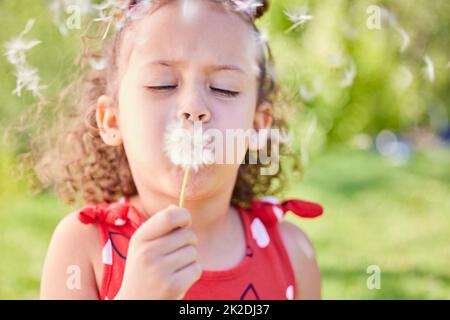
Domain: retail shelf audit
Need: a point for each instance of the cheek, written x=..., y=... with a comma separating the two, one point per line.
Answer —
x=231, y=121
x=141, y=125
x=238, y=115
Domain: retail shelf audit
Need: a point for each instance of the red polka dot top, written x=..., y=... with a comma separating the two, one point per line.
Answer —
x=264, y=273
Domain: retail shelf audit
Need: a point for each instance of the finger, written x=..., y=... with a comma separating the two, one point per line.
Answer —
x=174, y=240
x=180, y=258
x=163, y=222
x=188, y=275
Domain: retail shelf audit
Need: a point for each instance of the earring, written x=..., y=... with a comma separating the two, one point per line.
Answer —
x=113, y=135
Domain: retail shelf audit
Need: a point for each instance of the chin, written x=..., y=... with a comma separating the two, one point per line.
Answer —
x=201, y=183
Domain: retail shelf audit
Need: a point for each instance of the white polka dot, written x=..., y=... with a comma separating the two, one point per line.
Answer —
x=270, y=199
x=278, y=213
x=119, y=222
x=290, y=292
x=259, y=233
x=107, y=253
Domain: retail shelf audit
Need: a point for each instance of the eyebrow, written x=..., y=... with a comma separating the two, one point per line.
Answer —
x=169, y=63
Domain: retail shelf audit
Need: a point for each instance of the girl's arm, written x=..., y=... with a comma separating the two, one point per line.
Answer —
x=68, y=270
x=301, y=253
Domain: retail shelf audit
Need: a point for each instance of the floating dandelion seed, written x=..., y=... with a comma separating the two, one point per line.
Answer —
x=247, y=6
x=309, y=93
x=310, y=130
x=350, y=72
x=349, y=76
x=27, y=77
x=118, y=11
x=189, y=149
x=407, y=76
x=392, y=19
x=298, y=17
x=16, y=49
x=111, y=11
x=306, y=93
x=429, y=68
x=405, y=37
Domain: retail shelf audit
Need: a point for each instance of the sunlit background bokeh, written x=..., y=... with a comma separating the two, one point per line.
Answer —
x=370, y=90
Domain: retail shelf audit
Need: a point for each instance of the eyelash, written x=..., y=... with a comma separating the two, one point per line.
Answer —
x=227, y=93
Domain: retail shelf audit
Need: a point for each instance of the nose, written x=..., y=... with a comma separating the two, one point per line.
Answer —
x=195, y=116
x=194, y=108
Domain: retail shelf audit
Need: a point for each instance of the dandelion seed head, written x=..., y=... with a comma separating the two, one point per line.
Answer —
x=188, y=148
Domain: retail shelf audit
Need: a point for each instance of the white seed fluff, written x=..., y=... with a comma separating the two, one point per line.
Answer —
x=188, y=148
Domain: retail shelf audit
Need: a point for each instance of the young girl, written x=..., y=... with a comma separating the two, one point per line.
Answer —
x=187, y=61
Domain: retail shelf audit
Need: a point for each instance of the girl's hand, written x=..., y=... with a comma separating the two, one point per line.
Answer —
x=162, y=258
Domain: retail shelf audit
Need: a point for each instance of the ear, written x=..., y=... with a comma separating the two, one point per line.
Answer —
x=262, y=122
x=107, y=121
x=263, y=116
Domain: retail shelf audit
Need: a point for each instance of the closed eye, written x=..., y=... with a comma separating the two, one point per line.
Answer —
x=227, y=93
x=224, y=92
x=161, y=88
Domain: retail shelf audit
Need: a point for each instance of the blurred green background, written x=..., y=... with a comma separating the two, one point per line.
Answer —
x=370, y=123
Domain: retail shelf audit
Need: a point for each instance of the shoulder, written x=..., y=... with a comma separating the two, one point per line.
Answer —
x=71, y=225
x=302, y=255
x=71, y=232
x=71, y=251
x=296, y=240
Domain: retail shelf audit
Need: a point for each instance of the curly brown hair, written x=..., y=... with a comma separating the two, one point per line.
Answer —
x=74, y=158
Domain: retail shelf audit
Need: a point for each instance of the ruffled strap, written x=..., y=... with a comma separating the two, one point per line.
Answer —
x=271, y=211
x=117, y=214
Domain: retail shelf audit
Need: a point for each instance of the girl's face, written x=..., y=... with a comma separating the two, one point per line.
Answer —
x=197, y=62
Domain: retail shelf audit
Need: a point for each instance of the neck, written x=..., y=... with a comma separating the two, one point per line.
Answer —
x=209, y=215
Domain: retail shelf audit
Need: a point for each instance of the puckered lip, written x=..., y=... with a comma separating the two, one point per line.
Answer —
x=209, y=144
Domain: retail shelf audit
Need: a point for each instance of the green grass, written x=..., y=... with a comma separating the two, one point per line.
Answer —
x=375, y=214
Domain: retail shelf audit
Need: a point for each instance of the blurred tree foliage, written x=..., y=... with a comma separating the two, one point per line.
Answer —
x=353, y=78
x=346, y=77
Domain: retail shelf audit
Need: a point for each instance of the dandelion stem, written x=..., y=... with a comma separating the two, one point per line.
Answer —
x=183, y=186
